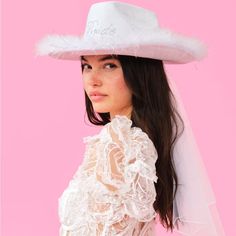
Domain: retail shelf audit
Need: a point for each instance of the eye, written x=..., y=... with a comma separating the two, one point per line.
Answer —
x=110, y=66
x=85, y=66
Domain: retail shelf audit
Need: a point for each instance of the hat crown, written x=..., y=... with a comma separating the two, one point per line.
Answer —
x=109, y=19
x=114, y=27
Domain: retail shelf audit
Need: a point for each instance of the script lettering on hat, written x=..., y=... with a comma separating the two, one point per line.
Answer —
x=95, y=28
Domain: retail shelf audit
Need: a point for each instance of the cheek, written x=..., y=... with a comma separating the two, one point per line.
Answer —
x=84, y=83
x=121, y=90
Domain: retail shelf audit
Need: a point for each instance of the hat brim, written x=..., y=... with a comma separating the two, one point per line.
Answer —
x=162, y=44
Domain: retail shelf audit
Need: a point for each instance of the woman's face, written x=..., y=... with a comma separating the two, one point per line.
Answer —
x=105, y=86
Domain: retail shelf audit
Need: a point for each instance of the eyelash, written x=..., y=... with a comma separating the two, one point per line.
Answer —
x=112, y=65
x=83, y=65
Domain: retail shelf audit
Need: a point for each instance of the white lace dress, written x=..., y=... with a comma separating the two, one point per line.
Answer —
x=112, y=192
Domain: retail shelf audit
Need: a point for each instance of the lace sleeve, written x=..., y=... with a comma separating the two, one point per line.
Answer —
x=127, y=170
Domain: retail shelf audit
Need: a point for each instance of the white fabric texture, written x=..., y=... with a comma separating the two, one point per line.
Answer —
x=195, y=211
x=112, y=192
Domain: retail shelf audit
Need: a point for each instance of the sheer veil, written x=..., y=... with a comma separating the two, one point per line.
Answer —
x=194, y=210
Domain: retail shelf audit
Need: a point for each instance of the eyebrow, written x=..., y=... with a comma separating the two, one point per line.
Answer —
x=103, y=58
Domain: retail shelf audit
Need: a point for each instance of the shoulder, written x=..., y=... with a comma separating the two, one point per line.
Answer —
x=138, y=149
x=120, y=130
x=134, y=137
x=122, y=126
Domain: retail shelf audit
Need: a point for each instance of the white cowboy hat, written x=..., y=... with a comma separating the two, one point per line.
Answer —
x=125, y=29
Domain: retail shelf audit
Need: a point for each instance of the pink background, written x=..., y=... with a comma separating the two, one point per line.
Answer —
x=43, y=105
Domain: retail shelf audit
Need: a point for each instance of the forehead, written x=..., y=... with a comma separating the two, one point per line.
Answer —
x=99, y=57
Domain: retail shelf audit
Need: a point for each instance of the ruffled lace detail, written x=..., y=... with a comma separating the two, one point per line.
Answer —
x=112, y=192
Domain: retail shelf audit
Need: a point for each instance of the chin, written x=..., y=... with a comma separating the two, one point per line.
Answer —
x=100, y=110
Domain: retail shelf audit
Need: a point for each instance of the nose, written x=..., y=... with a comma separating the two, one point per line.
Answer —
x=94, y=79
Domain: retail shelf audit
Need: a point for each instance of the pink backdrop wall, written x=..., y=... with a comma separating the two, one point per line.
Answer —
x=43, y=105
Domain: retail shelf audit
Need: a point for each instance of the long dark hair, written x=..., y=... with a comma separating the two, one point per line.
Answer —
x=155, y=113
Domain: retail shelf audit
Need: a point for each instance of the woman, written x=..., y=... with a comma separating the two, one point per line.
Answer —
x=143, y=163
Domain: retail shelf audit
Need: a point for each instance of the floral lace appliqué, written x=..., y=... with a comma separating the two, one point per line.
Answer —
x=112, y=192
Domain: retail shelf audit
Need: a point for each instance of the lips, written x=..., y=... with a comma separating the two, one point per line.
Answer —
x=96, y=96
